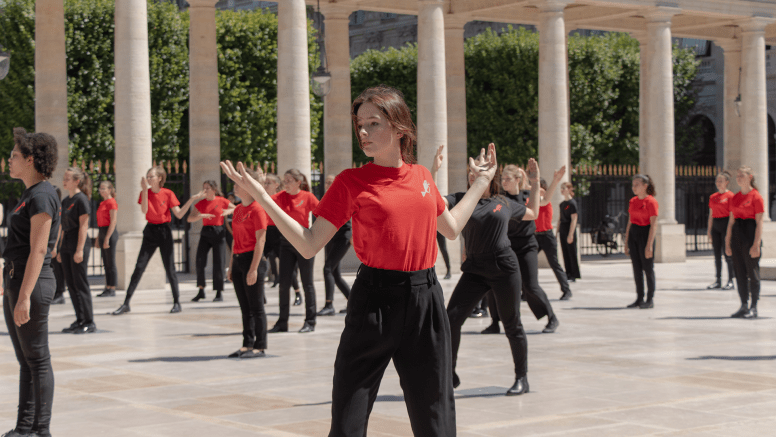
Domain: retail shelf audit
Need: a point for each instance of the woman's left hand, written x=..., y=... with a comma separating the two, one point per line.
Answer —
x=754, y=251
x=570, y=239
x=485, y=165
x=532, y=172
x=438, y=159
x=21, y=314
x=106, y=244
x=78, y=257
x=252, y=277
x=648, y=253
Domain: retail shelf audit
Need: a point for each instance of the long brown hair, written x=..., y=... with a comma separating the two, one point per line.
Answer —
x=300, y=177
x=110, y=186
x=212, y=184
x=648, y=181
x=84, y=181
x=391, y=103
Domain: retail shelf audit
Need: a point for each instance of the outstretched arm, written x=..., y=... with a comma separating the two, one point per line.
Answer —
x=556, y=178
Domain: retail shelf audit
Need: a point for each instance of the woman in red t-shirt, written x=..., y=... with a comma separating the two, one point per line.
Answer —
x=298, y=202
x=396, y=308
x=157, y=202
x=247, y=268
x=544, y=235
x=744, y=238
x=107, y=215
x=211, y=210
x=719, y=218
x=640, y=238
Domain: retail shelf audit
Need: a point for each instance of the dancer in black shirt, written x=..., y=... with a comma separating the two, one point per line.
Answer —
x=567, y=234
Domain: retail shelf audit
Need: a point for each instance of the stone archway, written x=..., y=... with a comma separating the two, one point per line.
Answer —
x=705, y=144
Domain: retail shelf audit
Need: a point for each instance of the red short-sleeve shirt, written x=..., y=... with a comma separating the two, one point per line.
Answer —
x=103, y=212
x=159, y=205
x=719, y=204
x=641, y=210
x=246, y=221
x=394, y=212
x=216, y=207
x=298, y=206
x=544, y=219
x=747, y=206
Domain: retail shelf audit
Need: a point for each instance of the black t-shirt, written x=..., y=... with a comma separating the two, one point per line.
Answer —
x=521, y=229
x=39, y=198
x=567, y=207
x=486, y=230
x=72, y=209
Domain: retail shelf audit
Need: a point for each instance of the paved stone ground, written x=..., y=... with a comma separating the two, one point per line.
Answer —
x=684, y=368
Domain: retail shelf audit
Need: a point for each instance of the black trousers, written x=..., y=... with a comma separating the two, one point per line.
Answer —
x=109, y=255
x=747, y=268
x=569, y=251
x=272, y=252
x=442, y=244
x=78, y=285
x=212, y=237
x=642, y=267
x=718, y=233
x=59, y=277
x=336, y=249
x=549, y=245
x=527, y=252
x=251, y=299
x=155, y=236
x=400, y=316
x=288, y=256
x=499, y=272
x=30, y=343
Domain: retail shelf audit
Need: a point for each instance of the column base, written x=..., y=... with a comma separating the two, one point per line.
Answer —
x=670, y=243
x=768, y=251
x=128, y=247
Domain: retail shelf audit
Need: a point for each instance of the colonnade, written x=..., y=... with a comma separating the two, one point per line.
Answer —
x=441, y=100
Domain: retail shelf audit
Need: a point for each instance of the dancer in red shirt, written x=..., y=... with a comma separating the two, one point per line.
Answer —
x=211, y=210
x=744, y=238
x=719, y=218
x=396, y=308
x=157, y=202
x=544, y=235
x=107, y=216
x=640, y=238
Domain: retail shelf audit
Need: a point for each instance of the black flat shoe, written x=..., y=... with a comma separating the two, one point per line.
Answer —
x=176, y=308
x=219, y=297
x=252, y=354
x=448, y=276
x=200, y=295
x=236, y=354
x=122, y=309
x=552, y=325
x=743, y=311
x=456, y=380
x=278, y=328
x=108, y=292
x=344, y=311
x=298, y=299
x=307, y=328
x=327, y=310
x=729, y=286
x=647, y=304
x=636, y=304
x=715, y=285
x=86, y=329
x=751, y=314
x=477, y=313
x=58, y=300
x=274, y=284
x=494, y=328
x=72, y=328
x=566, y=296
x=520, y=387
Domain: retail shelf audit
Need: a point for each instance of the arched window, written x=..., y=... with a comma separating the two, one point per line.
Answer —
x=705, y=145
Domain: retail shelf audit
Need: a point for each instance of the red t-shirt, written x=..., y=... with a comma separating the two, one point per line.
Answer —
x=299, y=206
x=215, y=207
x=159, y=205
x=641, y=210
x=103, y=212
x=746, y=206
x=246, y=221
x=544, y=219
x=719, y=204
x=394, y=212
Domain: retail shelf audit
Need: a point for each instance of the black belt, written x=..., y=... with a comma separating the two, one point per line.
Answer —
x=387, y=278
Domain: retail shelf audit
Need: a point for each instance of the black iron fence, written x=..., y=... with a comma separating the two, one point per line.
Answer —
x=604, y=192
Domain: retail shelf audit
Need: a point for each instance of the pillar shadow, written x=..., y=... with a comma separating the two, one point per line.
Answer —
x=732, y=358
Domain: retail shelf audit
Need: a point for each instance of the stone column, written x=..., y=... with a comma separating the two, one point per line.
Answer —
x=554, y=149
x=337, y=123
x=133, y=138
x=456, y=104
x=732, y=119
x=204, y=121
x=293, y=88
x=51, y=78
x=643, y=99
x=669, y=242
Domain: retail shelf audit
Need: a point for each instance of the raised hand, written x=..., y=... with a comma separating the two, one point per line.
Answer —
x=244, y=180
x=485, y=165
x=533, y=171
x=201, y=195
x=438, y=158
x=558, y=175
x=207, y=216
x=143, y=183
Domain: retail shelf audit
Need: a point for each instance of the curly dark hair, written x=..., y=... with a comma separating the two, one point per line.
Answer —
x=42, y=147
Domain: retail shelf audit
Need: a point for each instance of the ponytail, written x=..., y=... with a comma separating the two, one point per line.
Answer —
x=84, y=181
x=648, y=181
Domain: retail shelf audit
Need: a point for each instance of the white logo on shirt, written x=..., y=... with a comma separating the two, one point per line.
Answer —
x=300, y=204
x=426, y=188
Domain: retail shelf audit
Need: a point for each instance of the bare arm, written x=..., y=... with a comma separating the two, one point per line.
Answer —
x=258, y=252
x=710, y=224
x=728, y=250
x=532, y=209
x=648, y=252
x=572, y=229
x=83, y=232
x=180, y=211
x=754, y=251
x=56, y=244
x=111, y=228
x=194, y=216
x=556, y=178
x=40, y=227
x=627, y=234
x=144, y=195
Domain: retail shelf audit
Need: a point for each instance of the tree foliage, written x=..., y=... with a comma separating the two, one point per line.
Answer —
x=17, y=90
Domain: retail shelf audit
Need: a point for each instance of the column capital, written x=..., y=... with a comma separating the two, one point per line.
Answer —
x=552, y=5
x=335, y=11
x=454, y=21
x=755, y=24
x=202, y=3
x=661, y=14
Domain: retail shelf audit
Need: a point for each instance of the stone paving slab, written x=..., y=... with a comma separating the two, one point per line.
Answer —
x=683, y=368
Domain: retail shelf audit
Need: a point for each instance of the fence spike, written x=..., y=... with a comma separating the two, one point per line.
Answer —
x=272, y=165
x=83, y=165
x=169, y=167
x=178, y=166
x=91, y=166
x=99, y=166
x=185, y=166
x=265, y=166
x=2, y=165
x=320, y=166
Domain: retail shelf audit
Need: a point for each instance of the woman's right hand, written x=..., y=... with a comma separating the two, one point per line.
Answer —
x=728, y=250
x=143, y=183
x=244, y=180
x=626, y=248
x=708, y=234
x=485, y=165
